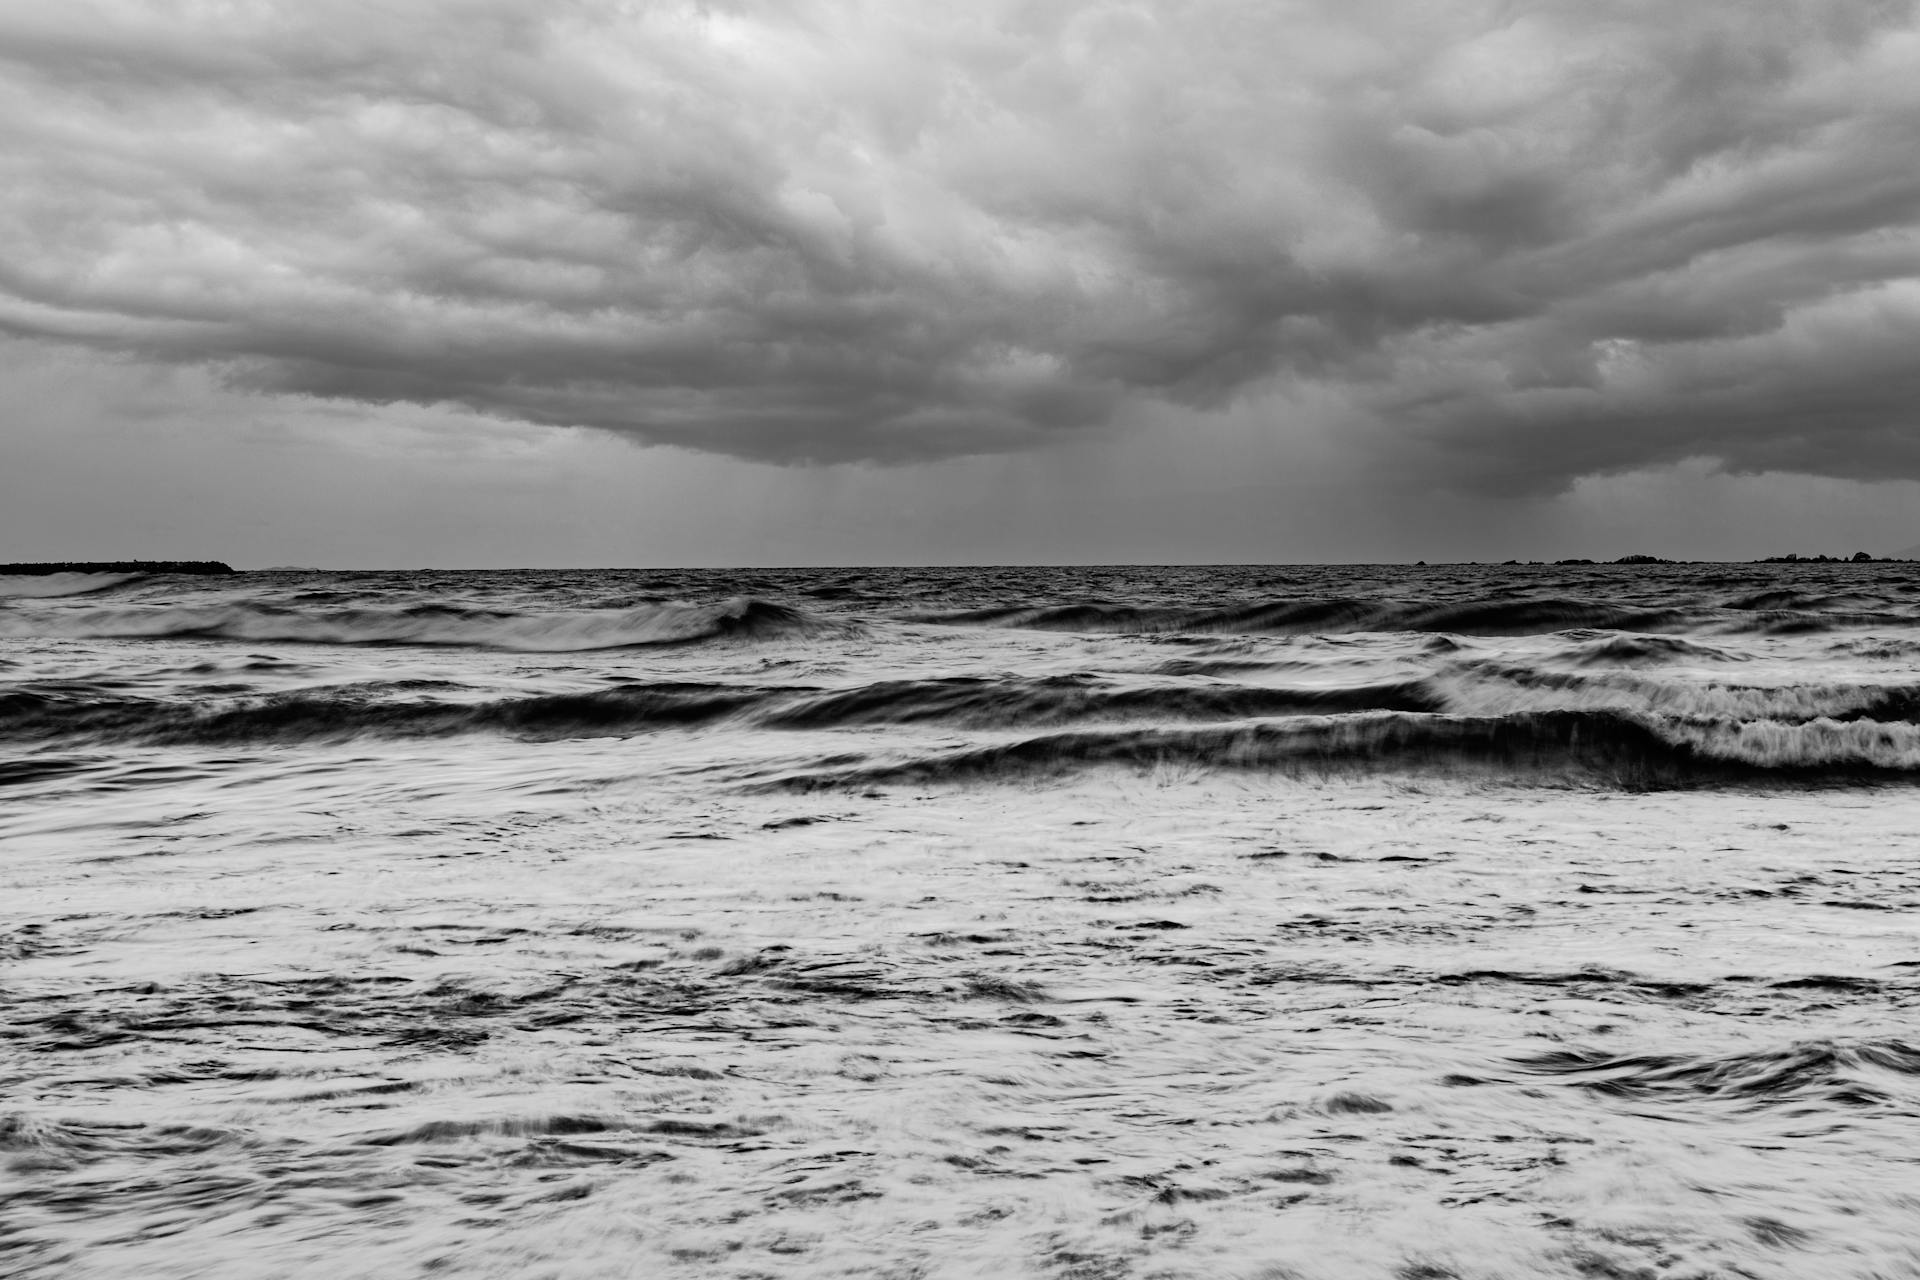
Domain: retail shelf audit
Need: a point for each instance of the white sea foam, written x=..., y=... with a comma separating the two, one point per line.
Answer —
x=1682, y=695
x=509, y=955
x=585, y=1019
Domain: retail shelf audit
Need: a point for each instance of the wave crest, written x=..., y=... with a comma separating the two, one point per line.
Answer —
x=740, y=618
x=1605, y=746
x=93, y=711
x=1494, y=688
x=49, y=586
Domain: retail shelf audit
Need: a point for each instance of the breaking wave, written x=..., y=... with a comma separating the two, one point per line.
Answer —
x=1495, y=688
x=49, y=586
x=1003, y=703
x=740, y=618
x=1605, y=746
x=97, y=712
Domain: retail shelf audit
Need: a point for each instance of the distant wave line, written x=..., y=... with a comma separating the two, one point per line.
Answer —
x=743, y=617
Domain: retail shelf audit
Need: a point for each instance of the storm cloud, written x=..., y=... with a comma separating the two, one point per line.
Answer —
x=1520, y=243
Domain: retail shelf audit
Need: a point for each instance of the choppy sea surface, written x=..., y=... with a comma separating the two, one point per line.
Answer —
x=1426, y=923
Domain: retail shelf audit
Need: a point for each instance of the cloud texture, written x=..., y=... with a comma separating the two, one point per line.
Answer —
x=1521, y=242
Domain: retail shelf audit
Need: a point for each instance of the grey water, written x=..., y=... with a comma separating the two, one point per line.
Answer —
x=1451, y=921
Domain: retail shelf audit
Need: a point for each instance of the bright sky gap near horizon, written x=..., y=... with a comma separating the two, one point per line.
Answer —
x=488, y=282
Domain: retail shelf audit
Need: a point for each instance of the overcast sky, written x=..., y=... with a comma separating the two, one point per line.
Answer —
x=472, y=282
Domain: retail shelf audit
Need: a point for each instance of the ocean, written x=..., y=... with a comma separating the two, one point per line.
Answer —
x=1276, y=923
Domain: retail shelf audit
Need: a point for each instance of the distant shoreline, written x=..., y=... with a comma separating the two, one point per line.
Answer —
x=210, y=567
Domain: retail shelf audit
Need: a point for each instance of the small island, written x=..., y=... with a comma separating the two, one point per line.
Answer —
x=116, y=566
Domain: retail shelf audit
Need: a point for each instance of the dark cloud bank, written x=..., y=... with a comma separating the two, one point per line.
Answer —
x=1522, y=242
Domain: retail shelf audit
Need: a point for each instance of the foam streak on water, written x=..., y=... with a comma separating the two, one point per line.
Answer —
x=1549, y=922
